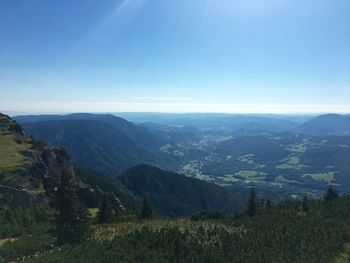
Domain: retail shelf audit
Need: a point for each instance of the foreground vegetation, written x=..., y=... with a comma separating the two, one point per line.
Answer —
x=299, y=231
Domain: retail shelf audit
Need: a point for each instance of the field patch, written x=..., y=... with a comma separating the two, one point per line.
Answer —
x=205, y=177
x=282, y=179
x=291, y=163
x=327, y=177
x=228, y=178
x=294, y=160
x=165, y=148
x=251, y=175
x=285, y=166
x=343, y=146
x=246, y=158
x=297, y=148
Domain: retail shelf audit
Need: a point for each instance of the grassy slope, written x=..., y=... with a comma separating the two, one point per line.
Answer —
x=15, y=148
x=12, y=146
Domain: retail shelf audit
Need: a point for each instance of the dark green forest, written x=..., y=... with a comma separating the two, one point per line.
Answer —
x=293, y=231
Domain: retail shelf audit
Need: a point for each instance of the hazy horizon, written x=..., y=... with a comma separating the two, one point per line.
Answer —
x=135, y=113
x=250, y=111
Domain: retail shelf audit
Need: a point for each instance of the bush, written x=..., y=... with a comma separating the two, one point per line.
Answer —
x=27, y=245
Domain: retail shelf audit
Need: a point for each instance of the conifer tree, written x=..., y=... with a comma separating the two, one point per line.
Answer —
x=71, y=217
x=116, y=211
x=331, y=194
x=268, y=204
x=251, y=204
x=105, y=212
x=146, y=211
x=305, y=204
x=262, y=203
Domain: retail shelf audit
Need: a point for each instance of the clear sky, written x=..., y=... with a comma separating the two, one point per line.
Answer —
x=175, y=56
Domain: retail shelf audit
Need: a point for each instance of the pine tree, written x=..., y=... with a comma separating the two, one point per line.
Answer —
x=331, y=194
x=251, y=204
x=268, y=204
x=146, y=211
x=305, y=204
x=105, y=212
x=262, y=204
x=71, y=217
x=116, y=211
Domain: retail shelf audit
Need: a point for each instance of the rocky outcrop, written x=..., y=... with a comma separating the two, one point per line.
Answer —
x=34, y=179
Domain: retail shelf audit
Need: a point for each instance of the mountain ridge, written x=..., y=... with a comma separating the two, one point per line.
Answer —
x=327, y=124
x=96, y=145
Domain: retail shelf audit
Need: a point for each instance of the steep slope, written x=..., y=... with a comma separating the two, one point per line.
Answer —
x=29, y=171
x=173, y=194
x=139, y=135
x=18, y=180
x=96, y=145
x=329, y=124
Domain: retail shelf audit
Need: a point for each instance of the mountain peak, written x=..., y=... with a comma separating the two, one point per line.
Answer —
x=327, y=124
x=9, y=125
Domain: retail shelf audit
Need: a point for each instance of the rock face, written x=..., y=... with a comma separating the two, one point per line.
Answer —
x=30, y=171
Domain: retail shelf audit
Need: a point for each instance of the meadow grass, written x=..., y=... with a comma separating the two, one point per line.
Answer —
x=11, y=152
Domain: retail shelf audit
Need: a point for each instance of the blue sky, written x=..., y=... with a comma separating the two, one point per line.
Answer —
x=253, y=56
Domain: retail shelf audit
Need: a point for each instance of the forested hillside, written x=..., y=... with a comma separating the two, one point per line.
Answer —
x=173, y=194
x=92, y=144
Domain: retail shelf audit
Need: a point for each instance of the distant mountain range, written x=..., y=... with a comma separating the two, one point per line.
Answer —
x=299, y=153
x=219, y=121
x=30, y=171
x=109, y=144
x=328, y=124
